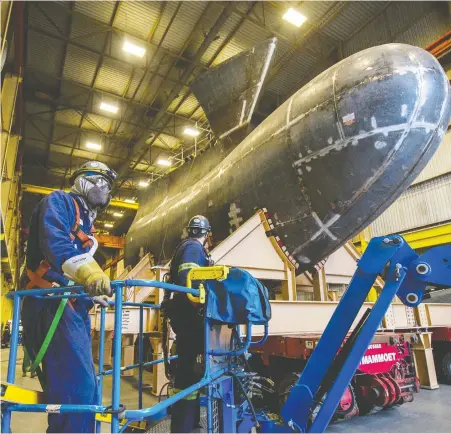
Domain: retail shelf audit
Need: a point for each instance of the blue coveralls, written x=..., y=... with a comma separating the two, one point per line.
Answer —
x=187, y=324
x=67, y=367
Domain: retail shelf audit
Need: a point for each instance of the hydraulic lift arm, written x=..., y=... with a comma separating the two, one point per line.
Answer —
x=335, y=359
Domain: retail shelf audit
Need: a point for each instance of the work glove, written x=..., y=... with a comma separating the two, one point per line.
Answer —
x=101, y=301
x=84, y=270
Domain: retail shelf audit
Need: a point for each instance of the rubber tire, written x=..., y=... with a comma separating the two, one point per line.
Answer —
x=445, y=368
x=284, y=385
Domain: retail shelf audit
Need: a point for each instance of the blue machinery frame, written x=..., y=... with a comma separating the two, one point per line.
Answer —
x=324, y=379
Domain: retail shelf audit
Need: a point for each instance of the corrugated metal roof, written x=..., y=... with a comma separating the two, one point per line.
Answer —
x=96, y=123
x=226, y=30
x=425, y=31
x=113, y=76
x=211, y=14
x=56, y=13
x=166, y=141
x=300, y=66
x=64, y=134
x=137, y=18
x=351, y=18
x=416, y=23
x=440, y=163
x=44, y=53
x=189, y=106
x=184, y=23
x=68, y=117
x=80, y=65
x=424, y=204
x=99, y=10
x=246, y=37
x=88, y=34
x=38, y=129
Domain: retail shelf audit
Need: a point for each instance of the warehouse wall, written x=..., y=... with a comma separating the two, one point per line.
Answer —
x=414, y=23
x=427, y=202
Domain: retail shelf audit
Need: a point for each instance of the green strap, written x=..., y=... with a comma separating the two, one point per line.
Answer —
x=49, y=336
x=50, y=333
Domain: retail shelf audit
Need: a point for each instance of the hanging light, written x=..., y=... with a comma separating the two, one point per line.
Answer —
x=294, y=17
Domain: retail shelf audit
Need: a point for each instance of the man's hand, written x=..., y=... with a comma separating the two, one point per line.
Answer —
x=84, y=269
x=101, y=301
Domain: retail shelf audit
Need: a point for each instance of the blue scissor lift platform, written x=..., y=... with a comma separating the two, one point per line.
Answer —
x=311, y=402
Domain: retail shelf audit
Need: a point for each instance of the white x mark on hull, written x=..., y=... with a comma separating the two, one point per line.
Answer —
x=324, y=227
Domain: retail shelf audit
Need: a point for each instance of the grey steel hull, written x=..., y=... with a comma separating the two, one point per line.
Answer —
x=325, y=164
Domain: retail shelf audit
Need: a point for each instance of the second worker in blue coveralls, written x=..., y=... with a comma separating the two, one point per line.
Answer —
x=187, y=323
x=60, y=249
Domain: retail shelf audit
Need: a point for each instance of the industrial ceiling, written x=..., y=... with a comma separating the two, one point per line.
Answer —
x=109, y=81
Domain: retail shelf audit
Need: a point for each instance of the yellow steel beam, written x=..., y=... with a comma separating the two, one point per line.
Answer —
x=46, y=190
x=417, y=239
x=429, y=237
x=110, y=241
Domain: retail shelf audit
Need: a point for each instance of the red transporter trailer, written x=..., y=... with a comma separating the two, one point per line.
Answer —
x=386, y=375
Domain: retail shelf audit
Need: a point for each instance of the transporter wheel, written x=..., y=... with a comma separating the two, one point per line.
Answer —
x=347, y=407
x=284, y=388
x=445, y=368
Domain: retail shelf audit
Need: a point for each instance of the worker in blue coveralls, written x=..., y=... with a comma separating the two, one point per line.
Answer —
x=187, y=322
x=60, y=252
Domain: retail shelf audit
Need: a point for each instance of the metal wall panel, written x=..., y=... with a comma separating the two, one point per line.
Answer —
x=427, y=29
x=415, y=23
x=351, y=18
x=421, y=205
x=440, y=163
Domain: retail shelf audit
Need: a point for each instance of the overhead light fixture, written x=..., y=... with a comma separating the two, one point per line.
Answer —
x=164, y=162
x=134, y=49
x=108, y=225
x=92, y=145
x=129, y=200
x=143, y=183
x=294, y=17
x=191, y=132
x=117, y=214
x=109, y=107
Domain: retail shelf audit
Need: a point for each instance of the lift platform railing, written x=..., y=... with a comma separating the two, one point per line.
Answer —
x=120, y=417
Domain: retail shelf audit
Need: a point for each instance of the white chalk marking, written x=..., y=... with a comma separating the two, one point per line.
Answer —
x=235, y=219
x=404, y=110
x=340, y=144
x=373, y=122
x=324, y=227
x=380, y=144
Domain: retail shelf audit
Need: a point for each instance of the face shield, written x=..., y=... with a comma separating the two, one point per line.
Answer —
x=99, y=195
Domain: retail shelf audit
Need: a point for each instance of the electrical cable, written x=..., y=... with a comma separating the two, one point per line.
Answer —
x=249, y=401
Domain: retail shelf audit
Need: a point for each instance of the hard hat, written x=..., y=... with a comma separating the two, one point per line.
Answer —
x=95, y=168
x=199, y=226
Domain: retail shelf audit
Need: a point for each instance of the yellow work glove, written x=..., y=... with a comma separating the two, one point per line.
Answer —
x=85, y=270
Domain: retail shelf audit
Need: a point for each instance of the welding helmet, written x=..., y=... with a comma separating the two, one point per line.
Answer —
x=96, y=168
x=198, y=226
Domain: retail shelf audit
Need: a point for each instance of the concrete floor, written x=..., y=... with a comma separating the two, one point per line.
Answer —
x=430, y=411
